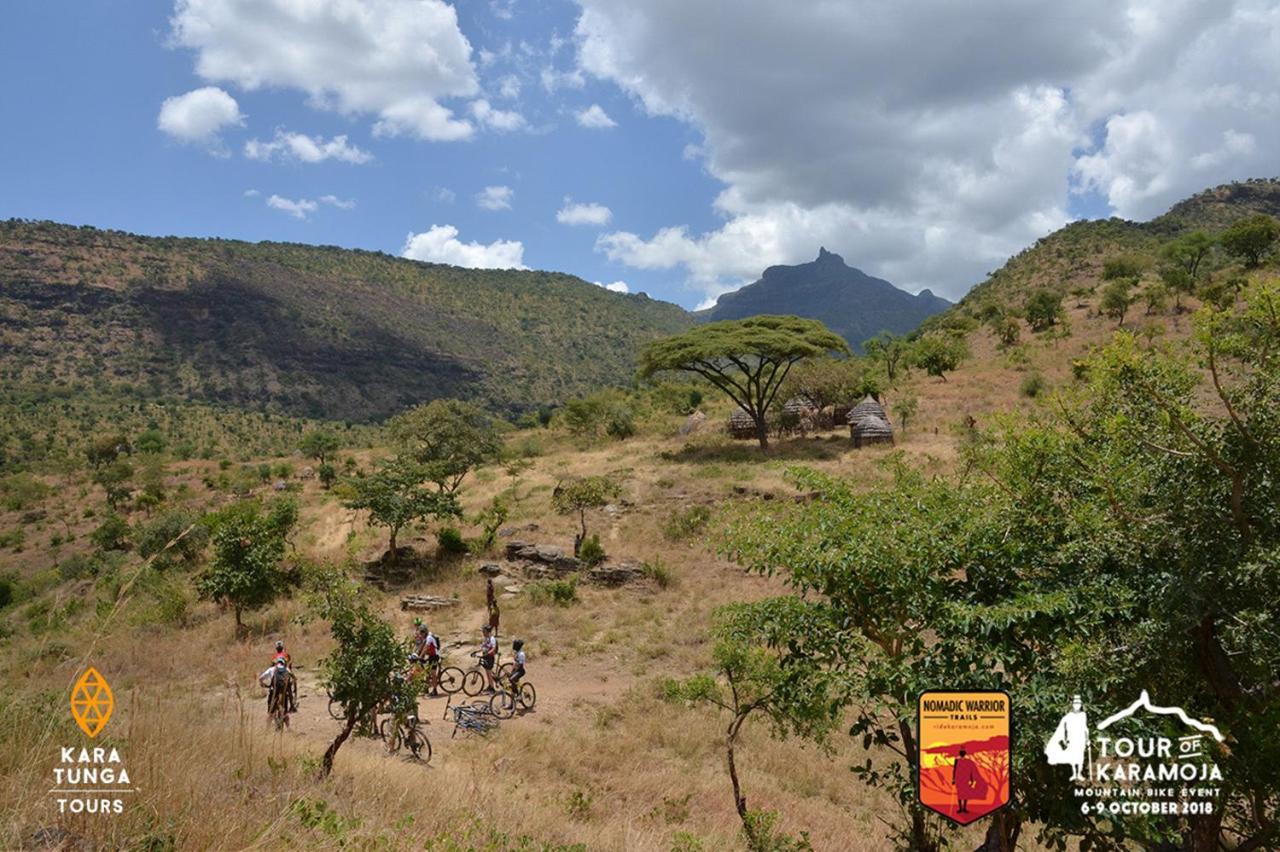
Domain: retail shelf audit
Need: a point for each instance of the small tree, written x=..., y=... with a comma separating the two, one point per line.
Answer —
x=905, y=409
x=1252, y=238
x=249, y=543
x=751, y=681
x=1157, y=298
x=1188, y=252
x=1007, y=331
x=359, y=672
x=938, y=354
x=579, y=495
x=1116, y=299
x=1043, y=310
x=114, y=478
x=395, y=495
x=1179, y=282
x=890, y=350
x=828, y=381
x=747, y=359
x=1124, y=266
x=447, y=439
x=321, y=445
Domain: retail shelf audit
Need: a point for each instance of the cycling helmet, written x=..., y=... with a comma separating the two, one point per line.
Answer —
x=413, y=658
x=279, y=645
x=487, y=628
x=280, y=662
x=518, y=644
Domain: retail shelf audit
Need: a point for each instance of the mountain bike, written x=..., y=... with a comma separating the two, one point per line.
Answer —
x=473, y=679
x=473, y=718
x=397, y=731
x=278, y=707
x=510, y=699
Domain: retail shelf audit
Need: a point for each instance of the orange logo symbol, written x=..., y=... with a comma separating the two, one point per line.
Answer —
x=92, y=702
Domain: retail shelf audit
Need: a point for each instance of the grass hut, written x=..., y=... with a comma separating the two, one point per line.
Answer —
x=800, y=406
x=871, y=430
x=741, y=426
x=867, y=408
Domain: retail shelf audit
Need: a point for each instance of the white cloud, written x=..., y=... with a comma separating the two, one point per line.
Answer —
x=199, y=115
x=340, y=203
x=251, y=193
x=392, y=59
x=306, y=149
x=444, y=195
x=615, y=287
x=925, y=144
x=583, y=214
x=500, y=120
x=553, y=79
x=495, y=197
x=509, y=87
x=299, y=209
x=440, y=244
x=595, y=118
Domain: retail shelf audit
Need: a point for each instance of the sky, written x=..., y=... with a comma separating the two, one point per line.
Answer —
x=674, y=147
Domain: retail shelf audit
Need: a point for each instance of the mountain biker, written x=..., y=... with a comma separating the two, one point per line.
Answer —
x=517, y=671
x=282, y=654
x=277, y=680
x=427, y=646
x=488, y=653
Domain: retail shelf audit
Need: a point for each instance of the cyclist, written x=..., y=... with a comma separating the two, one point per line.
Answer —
x=276, y=679
x=404, y=703
x=488, y=654
x=517, y=672
x=282, y=654
x=427, y=647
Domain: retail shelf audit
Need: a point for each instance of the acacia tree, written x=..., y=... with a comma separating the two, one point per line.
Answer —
x=579, y=495
x=249, y=542
x=321, y=445
x=358, y=672
x=828, y=381
x=395, y=495
x=890, y=350
x=747, y=359
x=938, y=354
x=447, y=439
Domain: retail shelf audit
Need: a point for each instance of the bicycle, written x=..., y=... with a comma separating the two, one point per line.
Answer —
x=409, y=733
x=278, y=708
x=511, y=698
x=474, y=718
x=473, y=680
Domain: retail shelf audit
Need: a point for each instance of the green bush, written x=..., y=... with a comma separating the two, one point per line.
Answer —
x=449, y=542
x=20, y=491
x=76, y=566
x=682, y=524
x=1033, y=384
x=591, y=552
x=558, y=592
x=659, y=573
x=112, y=534
x=13, y=538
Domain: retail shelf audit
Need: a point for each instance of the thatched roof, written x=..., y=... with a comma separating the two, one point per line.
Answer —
x=740, y=418
x=799, y=404
x=867, y=408
x=873, y=428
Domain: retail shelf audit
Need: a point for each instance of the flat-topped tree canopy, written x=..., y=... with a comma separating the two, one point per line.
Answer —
x=748, y=359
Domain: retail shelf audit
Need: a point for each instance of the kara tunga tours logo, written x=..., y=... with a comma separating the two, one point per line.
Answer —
x=90, y=779
x=1114, y=773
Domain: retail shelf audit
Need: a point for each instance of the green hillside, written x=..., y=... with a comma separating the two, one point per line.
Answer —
x=302, y=330
x=1073, y=256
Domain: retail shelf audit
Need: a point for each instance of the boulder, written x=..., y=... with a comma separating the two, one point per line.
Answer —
x=616, y=575
x=694, y=423
x=490, y=569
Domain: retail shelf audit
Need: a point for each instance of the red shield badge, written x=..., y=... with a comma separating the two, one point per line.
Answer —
x=963, y=752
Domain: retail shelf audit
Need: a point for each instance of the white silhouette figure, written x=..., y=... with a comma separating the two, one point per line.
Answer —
x=1069, y=741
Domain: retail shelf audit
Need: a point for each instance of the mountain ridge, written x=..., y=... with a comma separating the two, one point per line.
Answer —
x=855, y=305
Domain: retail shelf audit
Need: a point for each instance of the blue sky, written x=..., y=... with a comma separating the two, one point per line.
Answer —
x=730, y=143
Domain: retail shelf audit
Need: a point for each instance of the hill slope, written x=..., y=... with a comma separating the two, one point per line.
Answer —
x=303, y=330
x=850, y=302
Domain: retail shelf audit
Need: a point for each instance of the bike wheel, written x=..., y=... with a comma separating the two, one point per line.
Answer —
x=336, y=710
x=386, y=728
x=450, y=680
x=503, y=705
x=418, y=744
x=528, y=696
x=472, y=683
x=505, y=670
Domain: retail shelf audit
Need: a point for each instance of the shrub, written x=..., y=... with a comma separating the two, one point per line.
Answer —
x=20, y=491
x=1033, y=384
x=112, y=534
x=558, y=592
x=152, y=537
x=13, y=538
x=8, y=591
x=659, y=573
x=686, y=523
x=1043, y=310
x=591, y=552
x=76, y=566
x=449, y=542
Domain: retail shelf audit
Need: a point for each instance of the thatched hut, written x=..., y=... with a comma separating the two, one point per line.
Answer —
x=741, y=426
x=800, y=406
x=871, y=430
x=867, y=408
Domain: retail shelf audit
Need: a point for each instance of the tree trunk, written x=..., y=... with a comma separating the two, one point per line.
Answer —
x=326, y=765
x=393, y=544
x=920, y=841
x=1002, y=833
x=240, y=631
x=739, y=800
x=762, y=433
x=582, y=536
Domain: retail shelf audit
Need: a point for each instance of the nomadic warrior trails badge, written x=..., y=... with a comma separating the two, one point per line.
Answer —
x=963, y=753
